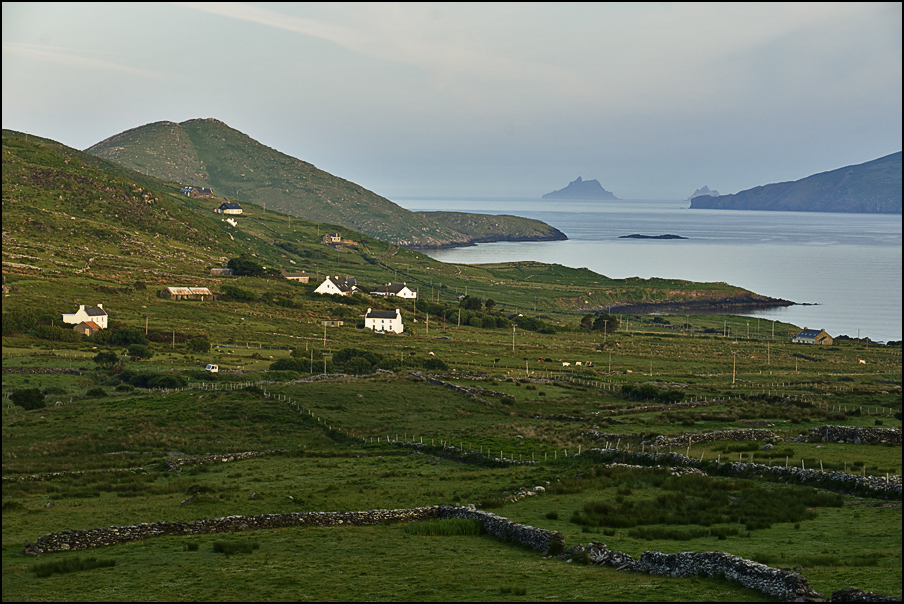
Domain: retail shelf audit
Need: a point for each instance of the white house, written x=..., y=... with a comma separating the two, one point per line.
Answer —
x=337, y=285
x=384, y=320
x=395, y=289
x=97, y=314
x=228, y=207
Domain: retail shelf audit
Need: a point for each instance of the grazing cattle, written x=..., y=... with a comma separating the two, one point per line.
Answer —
x=588, y=364
x=431, y=354
x=861, y=361
x=566, y=364
x=578, y=364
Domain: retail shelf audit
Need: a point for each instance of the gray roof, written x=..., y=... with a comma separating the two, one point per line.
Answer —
x=93, y=311
x=809, y=333
x=382, y=314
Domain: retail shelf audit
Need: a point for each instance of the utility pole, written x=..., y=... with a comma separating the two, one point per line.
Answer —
x=734, y=364
x=513, y=338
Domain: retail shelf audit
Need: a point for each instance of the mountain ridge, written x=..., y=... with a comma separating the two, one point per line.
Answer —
x=873, y=187
x=206, y=152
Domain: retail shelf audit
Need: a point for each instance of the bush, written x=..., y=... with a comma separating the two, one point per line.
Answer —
x=55, y=333
x=230, y=548
x=28, y=398
x=139, y=351
x=46, y=569
x=106, y=358
x=96, y=392
x=126, y=336
x=200, y=345
x=167, y=381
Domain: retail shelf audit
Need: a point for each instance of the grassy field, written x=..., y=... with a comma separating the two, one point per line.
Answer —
x=66, y=242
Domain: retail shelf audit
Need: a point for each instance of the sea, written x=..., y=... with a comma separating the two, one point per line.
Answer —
x=843, y=271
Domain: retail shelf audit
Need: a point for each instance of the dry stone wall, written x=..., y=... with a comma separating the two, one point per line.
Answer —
x=875, y=486
x=691, y=438
x=503, y=528
x=175, y=465
x=858, y=436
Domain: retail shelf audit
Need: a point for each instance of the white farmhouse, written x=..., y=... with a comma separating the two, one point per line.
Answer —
x=384, y=320
x=337, y=285
x=97, y=314
x=395, y=289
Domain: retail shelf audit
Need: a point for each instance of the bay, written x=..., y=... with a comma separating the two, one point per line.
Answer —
x=846, y=268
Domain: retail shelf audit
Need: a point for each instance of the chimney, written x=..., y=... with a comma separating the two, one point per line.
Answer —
x=100, y=306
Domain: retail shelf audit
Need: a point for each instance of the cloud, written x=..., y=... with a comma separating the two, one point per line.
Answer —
x=69, y=57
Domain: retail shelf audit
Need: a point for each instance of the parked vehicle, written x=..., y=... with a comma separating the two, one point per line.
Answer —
x=212, y=368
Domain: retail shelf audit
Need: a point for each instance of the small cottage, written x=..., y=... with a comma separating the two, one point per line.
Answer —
x=812, y=336
x=337, y=285
x=96, y=314
x=220, y=272
x=395, y=289
x=228, y=207
x=301, y=277
x=384, y=320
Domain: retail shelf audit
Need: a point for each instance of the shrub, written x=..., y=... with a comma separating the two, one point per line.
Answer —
x=126, y=336
x=96, y=392
x=28, y=398
x=140, y=351
x=46, y=569
x=106, y=358
x=200, y=345
x=241, y=547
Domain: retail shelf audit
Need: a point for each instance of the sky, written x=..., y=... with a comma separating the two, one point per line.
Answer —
x=479, y=100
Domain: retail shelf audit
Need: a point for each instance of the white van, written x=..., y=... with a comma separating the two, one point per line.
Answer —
x=212, y=368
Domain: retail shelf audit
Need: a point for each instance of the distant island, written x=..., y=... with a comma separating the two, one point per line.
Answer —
x=873, y=187
x=638, y=236
x=582, y=189
x=705, y=191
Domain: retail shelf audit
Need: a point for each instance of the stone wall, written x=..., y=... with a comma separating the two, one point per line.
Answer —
x=502, y=528
x=858, y=436
x=705, y=437
x=543, y=540
x=175, y=465
x=874, y=486
x=775, y=582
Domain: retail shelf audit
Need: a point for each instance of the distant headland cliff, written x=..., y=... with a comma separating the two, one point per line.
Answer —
x=873, y=187
x=582, y=189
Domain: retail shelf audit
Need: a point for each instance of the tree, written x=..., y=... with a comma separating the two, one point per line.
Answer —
x=28, y=398
x=106, y=358
x=471, y=303
x=199, y=345
x=140, y=351
x=490, y=304
x=609, y=323
x=125, y=336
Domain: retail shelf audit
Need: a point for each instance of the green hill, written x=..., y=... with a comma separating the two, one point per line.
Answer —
x=873, y=187
x=209, y=154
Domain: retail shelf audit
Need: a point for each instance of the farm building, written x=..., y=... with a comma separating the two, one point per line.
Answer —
x=87, y=328
x=812, y=336
x=97, y=314
x=384, y=320
x=300, y=277
x=220, y=272
x=196, y=192
x=186, y=293
x=228, y=207
x=395, y=289
x=344, y=286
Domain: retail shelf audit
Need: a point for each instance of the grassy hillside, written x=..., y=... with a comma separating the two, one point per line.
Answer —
x=78, y=230
x=872, y=187
x=208, y=153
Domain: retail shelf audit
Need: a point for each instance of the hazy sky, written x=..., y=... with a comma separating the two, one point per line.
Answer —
x=653, y=100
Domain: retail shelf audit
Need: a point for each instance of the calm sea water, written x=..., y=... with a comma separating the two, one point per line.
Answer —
x=847, y=265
